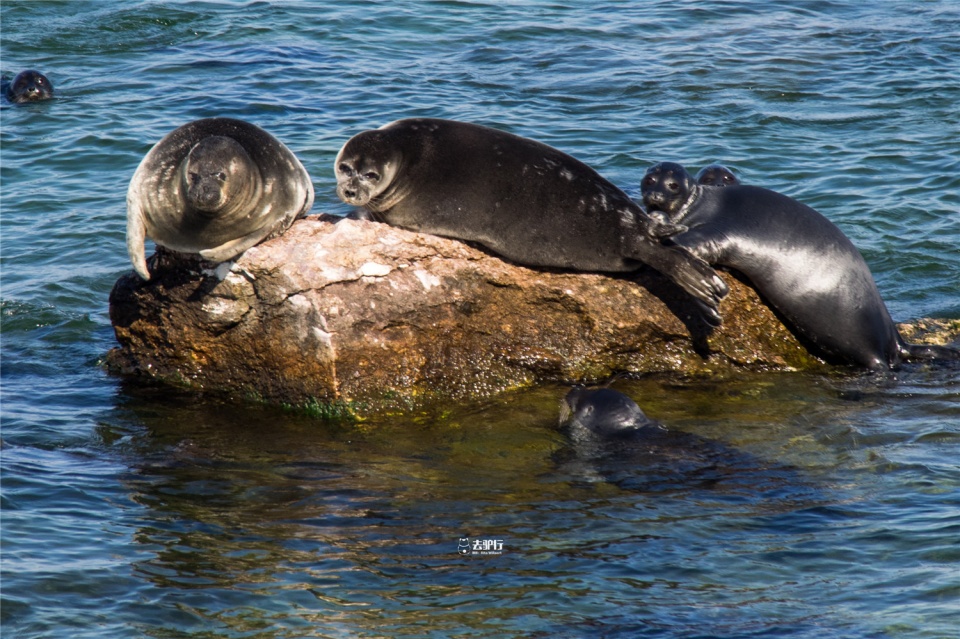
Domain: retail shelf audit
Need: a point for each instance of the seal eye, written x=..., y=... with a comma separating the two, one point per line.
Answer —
x=673, y=186
x=373, y=176
x=222, y=176
x=194, y=177
x=345, y=169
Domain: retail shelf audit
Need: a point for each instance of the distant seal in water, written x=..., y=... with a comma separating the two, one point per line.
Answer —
x=804, y=266
x=29, y=86
x=216, y=187
x=524, y=200
x=717, y=175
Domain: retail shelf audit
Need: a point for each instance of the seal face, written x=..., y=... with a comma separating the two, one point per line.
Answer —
x=798, y=260
x=716, y=175
x=29, y=86
x=216, y=187
x=524, y=200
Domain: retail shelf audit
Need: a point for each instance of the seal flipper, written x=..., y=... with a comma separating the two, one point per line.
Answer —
x=234, y=248
x=687, y=270
x=136, y=235
x=928, y=352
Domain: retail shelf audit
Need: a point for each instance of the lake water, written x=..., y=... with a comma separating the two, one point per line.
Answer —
x=139, y=511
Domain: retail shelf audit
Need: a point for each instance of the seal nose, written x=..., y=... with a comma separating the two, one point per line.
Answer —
x=205, y=196
x=652, y=198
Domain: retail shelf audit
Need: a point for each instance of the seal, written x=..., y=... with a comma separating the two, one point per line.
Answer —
x=717, y=175
x=519, y=198
x=612, y=440
x=216, y=187
x=28, y=86
x=602, y=413
x=799, y=261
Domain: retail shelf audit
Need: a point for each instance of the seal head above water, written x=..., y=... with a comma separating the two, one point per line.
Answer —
x=602, y=413
x=28, y=86
x=717, y=175
x=521, y=199
x=216, y=187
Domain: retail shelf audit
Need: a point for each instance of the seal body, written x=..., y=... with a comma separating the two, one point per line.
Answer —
x=216, y=187
x=798, y=260
x=29, y=86
x=717, y=175
x=522, y=199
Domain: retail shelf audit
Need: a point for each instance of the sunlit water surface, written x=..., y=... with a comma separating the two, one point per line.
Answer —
x=132, y=511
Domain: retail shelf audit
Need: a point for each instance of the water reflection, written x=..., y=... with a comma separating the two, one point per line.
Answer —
x=265, y=521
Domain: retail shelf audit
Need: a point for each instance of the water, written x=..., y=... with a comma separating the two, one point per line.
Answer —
x=132, y=510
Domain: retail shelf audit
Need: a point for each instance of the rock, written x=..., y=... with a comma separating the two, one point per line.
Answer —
x=937, y=332
x=368, y=318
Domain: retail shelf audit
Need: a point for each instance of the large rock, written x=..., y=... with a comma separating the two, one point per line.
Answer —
x=368, y=318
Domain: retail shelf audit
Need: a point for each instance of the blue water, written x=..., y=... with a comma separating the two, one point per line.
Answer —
x=132, y=510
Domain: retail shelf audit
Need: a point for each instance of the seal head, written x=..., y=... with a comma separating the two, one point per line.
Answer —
x=667, y=189
x=716, y=175
x=602, y=413
x=29, y=86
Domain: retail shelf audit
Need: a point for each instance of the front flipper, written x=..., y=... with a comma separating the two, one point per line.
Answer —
x=136, y=236
x=233, y=248
x=690, y=272
x=658, y=227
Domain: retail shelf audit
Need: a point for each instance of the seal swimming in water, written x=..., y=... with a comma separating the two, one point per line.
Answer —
x=717, y=175
x=601, y=414
x=28, y=86
x=612, y=440
x=216, y=187
x=521, y=199
x=804, y=266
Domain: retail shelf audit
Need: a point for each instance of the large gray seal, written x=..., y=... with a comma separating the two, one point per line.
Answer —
x=798, y=260
x=216, y=187
x=522, y=199
x=28, y=86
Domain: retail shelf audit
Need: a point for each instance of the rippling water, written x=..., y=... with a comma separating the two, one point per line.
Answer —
x=141, y=511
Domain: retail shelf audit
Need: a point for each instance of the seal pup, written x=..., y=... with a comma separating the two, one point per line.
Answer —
x=521, y=199
x=717, y=175
x=28, y=86
x=216, y=187
x=798, y=260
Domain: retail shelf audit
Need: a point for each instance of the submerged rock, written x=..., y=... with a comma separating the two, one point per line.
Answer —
x=371, y=318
